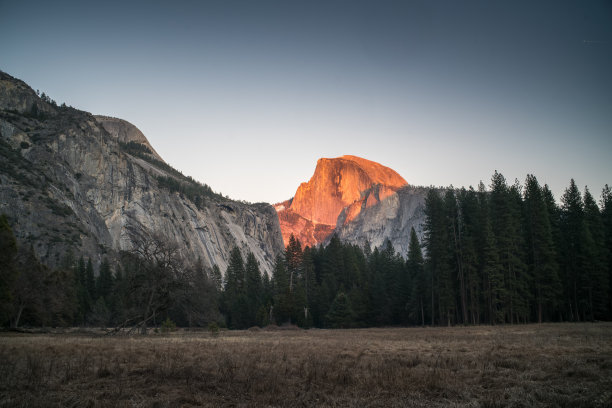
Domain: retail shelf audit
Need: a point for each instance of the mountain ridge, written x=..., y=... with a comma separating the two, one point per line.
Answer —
x=67, y=183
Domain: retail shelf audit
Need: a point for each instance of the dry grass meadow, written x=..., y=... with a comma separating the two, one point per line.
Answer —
x=560, y=365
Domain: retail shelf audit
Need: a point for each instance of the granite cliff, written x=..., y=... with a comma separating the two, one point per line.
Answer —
x=358, y=199
x=70, y=180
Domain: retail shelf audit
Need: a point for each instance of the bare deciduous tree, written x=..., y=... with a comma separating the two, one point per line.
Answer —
x=155, y=274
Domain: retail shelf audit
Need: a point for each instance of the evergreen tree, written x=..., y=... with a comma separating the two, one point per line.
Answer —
x=378, y=299
x=506, y=226
x=490, y=268
x=8, y=269
x=60, y=301
x=234, y=301
x=100, y=313
x=541, y=251
x=606, y=217
x=437, y=261
x=104, y=284
x=253, y=290
x=293, y=257
x=308, y=285
x=80, y=285
x=392, y=270
x=216, y=278
x=469, y=232
x=595, y=257
x=573, y=231
x=29, y=291
x=419, y=280
x=267, y=302
x=118, y=298
x=283, y=301
x=456, y=250
x=340, y=313
x=90, y=282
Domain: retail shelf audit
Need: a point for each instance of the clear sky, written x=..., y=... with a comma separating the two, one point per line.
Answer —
x=246, y=95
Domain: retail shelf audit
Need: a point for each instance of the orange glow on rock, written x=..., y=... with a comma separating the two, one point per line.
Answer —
x=346, y=183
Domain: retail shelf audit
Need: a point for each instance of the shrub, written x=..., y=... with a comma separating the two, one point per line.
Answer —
x=213, y=328
x=168, y=326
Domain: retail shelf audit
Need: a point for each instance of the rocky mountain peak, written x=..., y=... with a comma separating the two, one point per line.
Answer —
x=16, y=96
x=339, y=186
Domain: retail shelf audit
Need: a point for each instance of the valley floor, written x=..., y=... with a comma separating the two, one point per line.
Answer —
x=565, y=365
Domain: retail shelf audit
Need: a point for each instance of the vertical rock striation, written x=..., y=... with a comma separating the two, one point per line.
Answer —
x=358, y=199
x=73, y=181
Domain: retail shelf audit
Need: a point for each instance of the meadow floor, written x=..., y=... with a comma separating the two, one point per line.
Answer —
x=560, y=365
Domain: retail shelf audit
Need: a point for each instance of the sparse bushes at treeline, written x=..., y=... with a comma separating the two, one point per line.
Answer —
x=507, y=254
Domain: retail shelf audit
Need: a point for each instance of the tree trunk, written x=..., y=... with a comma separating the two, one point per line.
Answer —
x=432, y=300
x=18, y=317
x=146, y=317
x=422, y=313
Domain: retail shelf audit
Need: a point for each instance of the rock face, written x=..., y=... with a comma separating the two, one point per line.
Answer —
x=73, y=181
x=125, y=132
x=358, y=199
x=389, y=219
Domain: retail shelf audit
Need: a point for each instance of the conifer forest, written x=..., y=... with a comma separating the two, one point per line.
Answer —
x=498, y=254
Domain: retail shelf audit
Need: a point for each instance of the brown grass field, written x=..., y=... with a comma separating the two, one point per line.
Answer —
x=560, y=365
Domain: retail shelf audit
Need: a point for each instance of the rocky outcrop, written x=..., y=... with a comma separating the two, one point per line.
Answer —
x=358, y=199
x=125, y=132
x=391, y=218
x=338, y=183
x=72, y=181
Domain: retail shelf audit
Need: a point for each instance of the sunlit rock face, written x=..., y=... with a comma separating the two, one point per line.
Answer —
x=339, y=190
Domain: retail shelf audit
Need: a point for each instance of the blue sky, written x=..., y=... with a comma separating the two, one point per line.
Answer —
x=247, y=95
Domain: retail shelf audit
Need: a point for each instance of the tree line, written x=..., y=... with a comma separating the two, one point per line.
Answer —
x=506, y=254
x=497, y=255
x=144, y=286
x=511, y=254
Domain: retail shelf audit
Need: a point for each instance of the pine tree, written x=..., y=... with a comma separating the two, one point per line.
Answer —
x=573, y=232
x=416, y=269
x=80, y=285
x=541, y=252
x=456, y=250
x=595, y=257
x=469, y=232
x=606, y=217
x=104, y=284
x=283, y=302
x=378, y=298
x=490, y=269
x=506, y=226
x=293, y=257
x=90, y=283
x=29, y=290
x=340, y=313
x=308, y=284
x=254, y=289
x=216, y=278
x=234, y=290
x=437, y=261
x=8, y=269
